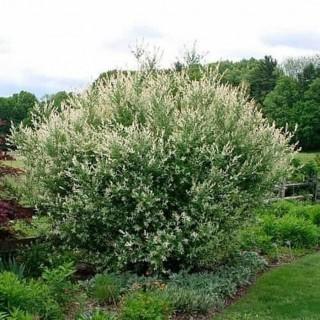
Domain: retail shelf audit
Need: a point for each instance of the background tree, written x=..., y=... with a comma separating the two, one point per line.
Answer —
x=263, y=78
x=16, y=108
x=293, y=66
x=279, y=104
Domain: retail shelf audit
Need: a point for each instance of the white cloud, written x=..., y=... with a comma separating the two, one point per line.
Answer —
x=49, y=45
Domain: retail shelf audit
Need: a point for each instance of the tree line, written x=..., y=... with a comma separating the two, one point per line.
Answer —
x=17, y=107
x=288, y=94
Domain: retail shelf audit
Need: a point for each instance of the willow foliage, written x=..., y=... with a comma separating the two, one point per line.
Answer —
x=153, y=169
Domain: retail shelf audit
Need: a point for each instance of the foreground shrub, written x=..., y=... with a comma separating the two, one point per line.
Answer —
x=283, y=229
x=10, y=264
x=96, y=315
x=31, y=297
x=152, y=171
x=44, y=254
x=255, y=238
x=309, y=212
x=21, y=315
x=291, y=230
x=106, y=288
x=59, y=283
x=145, y=306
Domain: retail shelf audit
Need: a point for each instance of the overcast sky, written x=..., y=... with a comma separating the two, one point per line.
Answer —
x=52, y=45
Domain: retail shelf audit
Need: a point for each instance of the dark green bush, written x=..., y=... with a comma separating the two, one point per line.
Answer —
x=43, y=254
x=145, y=306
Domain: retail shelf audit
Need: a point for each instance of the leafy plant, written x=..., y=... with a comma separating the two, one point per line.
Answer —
x=3, y=315
x=10, y=264
x=42, y=254
x=58, y=281
x=96, y=315
x=255, y=238
x=29, y=296
x=106, y=288
x=145, y=306
x=17, y=314
x=290, y=228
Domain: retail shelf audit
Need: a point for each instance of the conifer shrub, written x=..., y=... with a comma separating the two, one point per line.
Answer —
x=152, y=171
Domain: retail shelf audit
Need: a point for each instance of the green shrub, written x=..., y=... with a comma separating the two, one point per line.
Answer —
x=17, y=314
x=38, y=227
x=3, y=315
x=35, y=257
x=58, y=281
x=106, y=288
x=309, y=212
x=10, y=264
x=145, y=306
x=32, y=297
x=305, y=169
x=255, y=238
x=152, y=169
x=291, y=230
x=314, y=214
x=282, y=207
x=96, y=315
x=43, y=254
x=281, y=227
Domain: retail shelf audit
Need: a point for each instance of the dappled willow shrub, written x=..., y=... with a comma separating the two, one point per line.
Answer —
x=152, y=170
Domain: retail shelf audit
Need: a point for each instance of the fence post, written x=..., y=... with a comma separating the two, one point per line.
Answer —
x=315, y=187
x=282, y=190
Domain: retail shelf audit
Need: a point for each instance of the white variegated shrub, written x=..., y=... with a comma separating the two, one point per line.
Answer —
x=153, y=169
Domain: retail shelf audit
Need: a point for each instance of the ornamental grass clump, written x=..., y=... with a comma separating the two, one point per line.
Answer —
x=152, y=171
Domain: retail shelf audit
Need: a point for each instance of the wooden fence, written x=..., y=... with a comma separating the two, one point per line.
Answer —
x=309, y=189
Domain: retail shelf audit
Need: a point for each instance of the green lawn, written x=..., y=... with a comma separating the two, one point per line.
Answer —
x=306, y=156
x=287, y=292
x=13, y=163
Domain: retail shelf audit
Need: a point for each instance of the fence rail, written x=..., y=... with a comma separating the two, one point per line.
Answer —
x=309, y=189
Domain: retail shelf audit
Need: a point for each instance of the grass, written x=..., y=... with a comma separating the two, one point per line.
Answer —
x=288, y=292
x=306, y=156
x=13, y=163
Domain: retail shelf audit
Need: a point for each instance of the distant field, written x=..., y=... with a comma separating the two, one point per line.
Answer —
x=307, y=156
